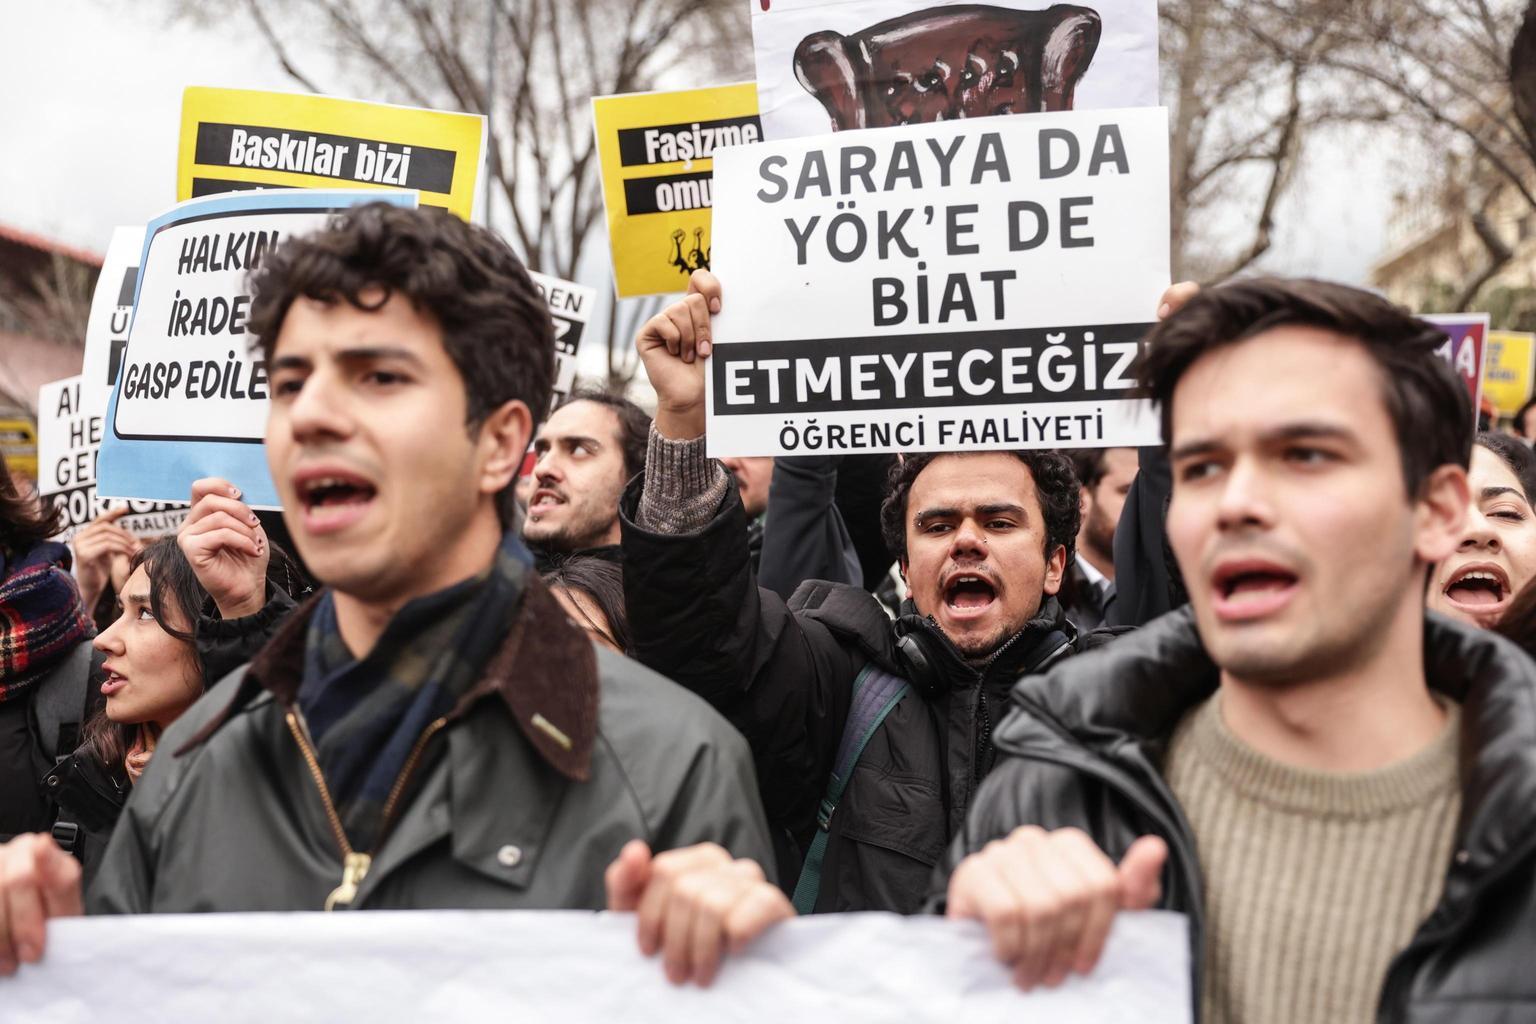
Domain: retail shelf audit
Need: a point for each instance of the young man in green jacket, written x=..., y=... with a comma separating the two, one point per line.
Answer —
x=430, y=731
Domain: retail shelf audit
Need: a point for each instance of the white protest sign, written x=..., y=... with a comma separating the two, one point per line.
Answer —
x=68, y=439
x=187, y=376
x=570, y=306
x=191, y=397
x=966, y=285
x=562, y=966
x=70, y=418
x=106, y=332
x=841, y=64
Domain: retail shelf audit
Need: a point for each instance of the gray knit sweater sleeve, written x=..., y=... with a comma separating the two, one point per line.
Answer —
x=683, y=486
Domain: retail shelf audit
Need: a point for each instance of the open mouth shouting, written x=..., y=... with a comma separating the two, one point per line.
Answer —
x=968, y=595
x=332, y=498
x=544, y=499
x=1479, y=589
x=1248, y=589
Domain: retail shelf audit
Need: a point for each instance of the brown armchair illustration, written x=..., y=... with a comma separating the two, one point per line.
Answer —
x=945, y=63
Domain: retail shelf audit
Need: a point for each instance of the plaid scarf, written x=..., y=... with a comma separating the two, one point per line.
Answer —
x=367, y=715
x=41, y=618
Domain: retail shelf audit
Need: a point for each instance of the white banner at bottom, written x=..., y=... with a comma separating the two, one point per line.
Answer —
x=570, y=966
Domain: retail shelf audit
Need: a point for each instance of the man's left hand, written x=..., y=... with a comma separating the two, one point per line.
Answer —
x=694, y=904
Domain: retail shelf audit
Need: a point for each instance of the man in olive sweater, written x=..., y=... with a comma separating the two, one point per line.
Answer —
x=1339, y=790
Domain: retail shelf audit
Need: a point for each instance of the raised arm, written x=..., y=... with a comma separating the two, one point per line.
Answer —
x=696, y=613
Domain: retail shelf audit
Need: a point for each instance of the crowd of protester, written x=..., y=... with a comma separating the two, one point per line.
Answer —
x=1275, y=674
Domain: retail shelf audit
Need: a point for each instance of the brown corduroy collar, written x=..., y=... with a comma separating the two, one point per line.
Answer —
x=545, y=671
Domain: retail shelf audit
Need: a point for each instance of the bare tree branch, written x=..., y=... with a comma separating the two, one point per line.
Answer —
x=1499, y=254
x=1283, y=159
x=1522, y=76
x=253, y=7
x=54, y=304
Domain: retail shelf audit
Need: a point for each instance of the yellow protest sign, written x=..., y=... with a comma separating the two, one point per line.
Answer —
x=234, y=139
x=1508, y=370
x=656, y=151
x=18, y=445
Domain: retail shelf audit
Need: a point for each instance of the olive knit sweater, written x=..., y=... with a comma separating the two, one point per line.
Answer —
x=1313, y=881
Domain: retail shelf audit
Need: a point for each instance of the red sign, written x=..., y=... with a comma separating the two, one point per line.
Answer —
x=1466, y=337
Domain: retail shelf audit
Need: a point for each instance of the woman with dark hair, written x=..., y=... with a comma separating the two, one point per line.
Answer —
x=155, y=669
x=43, y=629
x=591, y=590
x=1497, y=555
x=151, y=674
x=25, y=519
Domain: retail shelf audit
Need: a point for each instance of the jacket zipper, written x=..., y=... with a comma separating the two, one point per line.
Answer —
x=982, y=764
x=981, y=718
x=983, y=736
x=354, y=865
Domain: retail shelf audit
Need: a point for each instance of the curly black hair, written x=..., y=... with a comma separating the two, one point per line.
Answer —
x=1056, y=487
x=496, y=326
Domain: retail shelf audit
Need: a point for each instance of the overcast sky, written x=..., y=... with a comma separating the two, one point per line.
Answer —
x=92, y=98
x=91, y=111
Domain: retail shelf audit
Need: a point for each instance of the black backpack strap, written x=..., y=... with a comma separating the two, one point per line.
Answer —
x=59, y=703
x=875, y=693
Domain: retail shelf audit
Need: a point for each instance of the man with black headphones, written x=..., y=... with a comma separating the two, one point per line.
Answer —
x=870, y=736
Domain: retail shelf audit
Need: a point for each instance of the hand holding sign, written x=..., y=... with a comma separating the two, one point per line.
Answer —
x=672, y=345
x=1048, y=898
x=1175, y=297
x=227, y=548
x=694, y=905
x=38, y=880
x=103, y=551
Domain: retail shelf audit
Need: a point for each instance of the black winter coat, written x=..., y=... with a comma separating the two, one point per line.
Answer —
x=90, y=798
x=784, y=675
x=802, y=535
x=1084, y=745
x=1147, y=578
x=1085, y=604
x=223, y=645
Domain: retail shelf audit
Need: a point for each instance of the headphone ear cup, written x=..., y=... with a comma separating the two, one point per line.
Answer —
x=919, y=671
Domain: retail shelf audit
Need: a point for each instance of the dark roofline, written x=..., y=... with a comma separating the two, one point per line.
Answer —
x=50, y=247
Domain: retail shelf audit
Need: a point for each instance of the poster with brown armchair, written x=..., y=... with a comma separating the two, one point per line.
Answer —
x=832, y=65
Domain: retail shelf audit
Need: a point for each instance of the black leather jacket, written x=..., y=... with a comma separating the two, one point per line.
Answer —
x=1084, y=747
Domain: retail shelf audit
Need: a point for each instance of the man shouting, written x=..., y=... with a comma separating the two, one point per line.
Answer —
x=430, y=731
x=982, y=540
